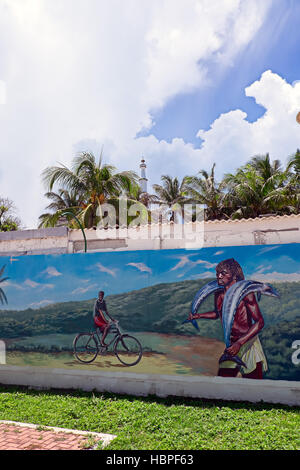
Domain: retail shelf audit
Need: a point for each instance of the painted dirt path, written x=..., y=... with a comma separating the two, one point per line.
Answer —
x=168, y=354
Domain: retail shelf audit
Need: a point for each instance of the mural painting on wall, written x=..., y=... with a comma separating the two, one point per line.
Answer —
x=152, y=311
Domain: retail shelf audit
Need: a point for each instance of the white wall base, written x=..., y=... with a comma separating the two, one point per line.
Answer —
x=237, y=389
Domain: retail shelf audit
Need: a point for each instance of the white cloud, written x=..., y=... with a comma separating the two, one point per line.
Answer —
x=52, y=272
x=185, y=261
x=31, y=283
x=12, y=285
x=204, y=275
x=207, y=264
x=106, y=270
x=276, y=277
x=34, y=285
x=2, y=92
x=232, y=137
x=180, y=275
x=207, y=274
x=267, y=248
x=42, y=303
x=91, y=73
x=220, y=252
x=262, y=268
x=83, y=290
x=141, y=267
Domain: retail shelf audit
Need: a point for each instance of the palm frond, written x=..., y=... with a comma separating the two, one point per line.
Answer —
x=3, y=298
x=2, y=270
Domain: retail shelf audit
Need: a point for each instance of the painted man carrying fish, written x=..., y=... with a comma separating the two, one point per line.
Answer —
x=243, y=351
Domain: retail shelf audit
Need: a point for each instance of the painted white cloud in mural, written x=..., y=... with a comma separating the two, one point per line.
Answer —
x=180, y=275
x=207, y=264
x=185, y=261
x=31, y=283
x=218, y=253
x=142, y=267
x=277, y=277
x=261, y=269
x=40, y=304
x=267, y=248
x=12, y=285
x=83, y=290
x=34, y=285
x=104, y=269
x=204, y=275
x=52, y=272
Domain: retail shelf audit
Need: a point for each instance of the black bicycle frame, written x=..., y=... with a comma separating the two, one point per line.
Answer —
x=99, y=347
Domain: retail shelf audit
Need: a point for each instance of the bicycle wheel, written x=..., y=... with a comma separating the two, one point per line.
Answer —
x=85, y=347
x=128, y=350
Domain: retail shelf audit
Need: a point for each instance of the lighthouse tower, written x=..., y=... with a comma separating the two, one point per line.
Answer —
x=143, y=180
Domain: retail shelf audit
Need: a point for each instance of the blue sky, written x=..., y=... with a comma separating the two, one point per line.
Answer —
x=184, y=84
x=276, y=47
x=36, y=281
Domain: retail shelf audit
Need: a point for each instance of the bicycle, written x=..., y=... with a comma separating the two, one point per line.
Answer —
x=87, y=346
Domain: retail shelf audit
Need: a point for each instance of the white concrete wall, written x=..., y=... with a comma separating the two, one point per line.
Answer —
x=219, y=388
x=29, y=242
x=261, y=231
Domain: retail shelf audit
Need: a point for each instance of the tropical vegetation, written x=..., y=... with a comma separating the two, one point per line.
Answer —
x=84, y=188
x=171, y=193
x=260, y=187
x=8, y=220
x=204, y=189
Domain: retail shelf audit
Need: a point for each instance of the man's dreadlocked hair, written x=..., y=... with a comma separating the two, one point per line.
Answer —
x=233, y=266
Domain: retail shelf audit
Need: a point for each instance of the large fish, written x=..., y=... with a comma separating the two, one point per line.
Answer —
x=232, y=299
x=200, y=296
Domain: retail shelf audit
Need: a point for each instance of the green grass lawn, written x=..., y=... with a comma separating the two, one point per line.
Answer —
x=158, y=424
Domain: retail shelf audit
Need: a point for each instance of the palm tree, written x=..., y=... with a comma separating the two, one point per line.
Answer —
x=95, y=182
x=145, y=198
x=294, y=163
x=244, y=193
x=61, y=201
x=8, y=221
x=257, y=188
x=281, y=186
x=204, y=189
x=290, y=193
x=3, y=298
x=135, y=195
x=170, y=193
x=264, y=167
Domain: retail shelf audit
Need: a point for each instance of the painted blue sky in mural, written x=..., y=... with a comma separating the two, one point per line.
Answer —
x=37, y=281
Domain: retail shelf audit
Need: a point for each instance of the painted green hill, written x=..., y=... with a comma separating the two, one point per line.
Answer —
x=277, y=343
x=160, y=308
